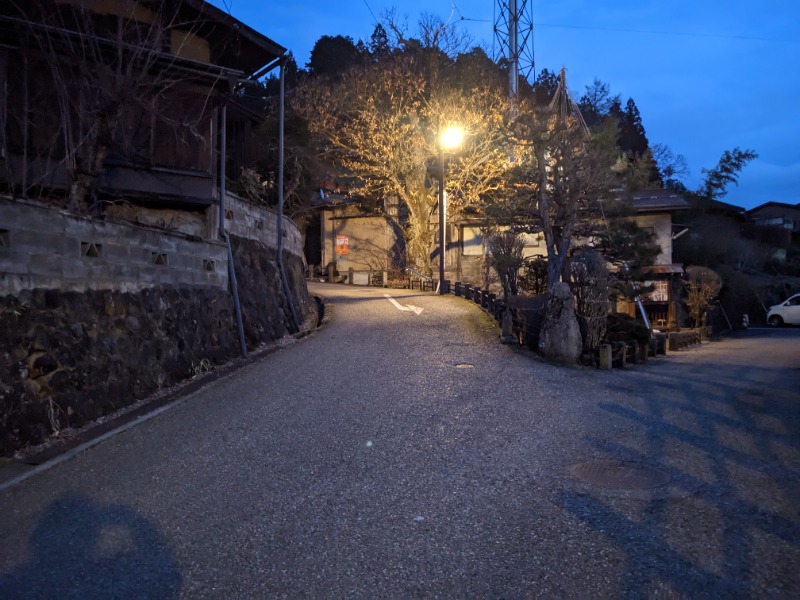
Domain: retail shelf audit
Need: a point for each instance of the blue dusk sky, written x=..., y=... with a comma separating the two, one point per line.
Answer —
x=706, y=75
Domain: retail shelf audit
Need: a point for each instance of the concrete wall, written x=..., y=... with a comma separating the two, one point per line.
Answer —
x=256, y=222
x=661, y=224
x=43, y=247
x=367, y=242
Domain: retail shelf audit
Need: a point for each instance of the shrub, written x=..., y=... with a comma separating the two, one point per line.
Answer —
x=534, y=275
x=623, y=328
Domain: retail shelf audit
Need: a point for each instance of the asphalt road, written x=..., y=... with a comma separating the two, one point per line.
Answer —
x=401, y=451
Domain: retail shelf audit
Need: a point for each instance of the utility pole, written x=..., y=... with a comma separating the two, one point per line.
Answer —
x=513, y=30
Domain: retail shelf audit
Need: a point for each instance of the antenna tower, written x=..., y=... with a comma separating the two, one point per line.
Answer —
x=513, y=29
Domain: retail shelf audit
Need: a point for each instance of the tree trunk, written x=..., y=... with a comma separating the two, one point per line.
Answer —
x=420, y=241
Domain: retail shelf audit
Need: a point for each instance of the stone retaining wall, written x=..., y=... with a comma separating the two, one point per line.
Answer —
x=96, y=314
x=67, y=358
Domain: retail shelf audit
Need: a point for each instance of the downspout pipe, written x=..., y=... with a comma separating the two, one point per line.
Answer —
x=287, y=290
x=224, y=234
x=638, y=299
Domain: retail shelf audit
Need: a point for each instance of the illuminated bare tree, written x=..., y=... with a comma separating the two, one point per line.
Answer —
x=563, y=178
x=506, y=257
x=379, y=125
x=702, y=287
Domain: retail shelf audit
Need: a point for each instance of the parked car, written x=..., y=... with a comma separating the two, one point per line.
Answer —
x=785, y=313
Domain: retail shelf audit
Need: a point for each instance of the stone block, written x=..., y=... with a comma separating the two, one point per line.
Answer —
x=360, y=278
x=643, y=352
x=11, y=215
x=85, y=229
x=49, y=265
x=170, y=244
x=116, y=252
x=76, y=269
x=13, y=283
x=126, y=273
x=36, y=241
x=183, y=262
x=605, y=357
x=145, y=239
x=14, y=262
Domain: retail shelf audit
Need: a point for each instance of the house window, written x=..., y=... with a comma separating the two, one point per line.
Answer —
x=3, y=93
x=660, y=291
x=472, y=241
x=532, y=240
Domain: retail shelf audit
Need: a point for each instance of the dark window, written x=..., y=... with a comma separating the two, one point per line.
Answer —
x=3, y=101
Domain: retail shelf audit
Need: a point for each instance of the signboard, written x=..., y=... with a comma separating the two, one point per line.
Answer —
x=342, y=244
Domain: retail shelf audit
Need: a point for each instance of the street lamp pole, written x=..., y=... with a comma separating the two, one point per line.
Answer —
x=442, y=217
x=448, y=138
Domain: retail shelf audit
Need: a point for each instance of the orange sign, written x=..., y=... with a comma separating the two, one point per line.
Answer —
x=342, y=244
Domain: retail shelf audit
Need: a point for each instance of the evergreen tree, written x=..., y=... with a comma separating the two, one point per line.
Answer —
x=544, y=88
x=596, y=103
x=379, y=46
x=333, y=55
x=475, y=69
x=726, y=172
x=632, y=138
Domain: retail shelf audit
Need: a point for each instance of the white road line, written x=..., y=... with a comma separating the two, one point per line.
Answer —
x=398, y=306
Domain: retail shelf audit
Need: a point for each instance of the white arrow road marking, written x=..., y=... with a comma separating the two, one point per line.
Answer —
x=398, y=306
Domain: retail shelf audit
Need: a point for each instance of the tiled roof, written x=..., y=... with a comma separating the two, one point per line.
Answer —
x=658, y=200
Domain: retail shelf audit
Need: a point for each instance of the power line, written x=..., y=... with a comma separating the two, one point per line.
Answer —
x=651, y=32
x=370, y=11
x=463, y=18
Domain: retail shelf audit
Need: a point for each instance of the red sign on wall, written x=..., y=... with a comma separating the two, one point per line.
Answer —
x=342, y=244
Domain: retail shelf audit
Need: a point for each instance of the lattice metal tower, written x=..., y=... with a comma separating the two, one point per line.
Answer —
x=513, y=29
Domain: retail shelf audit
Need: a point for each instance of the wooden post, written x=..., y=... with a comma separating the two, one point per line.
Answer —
x=507, y=336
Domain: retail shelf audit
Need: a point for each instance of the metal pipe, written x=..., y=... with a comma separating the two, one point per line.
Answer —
x=222, y=191
x=286, y=288
x=638, y=299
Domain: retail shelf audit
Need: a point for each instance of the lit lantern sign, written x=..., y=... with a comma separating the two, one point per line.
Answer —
x=342, y=244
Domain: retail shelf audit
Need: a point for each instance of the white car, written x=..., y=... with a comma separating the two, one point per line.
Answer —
x=785, y=313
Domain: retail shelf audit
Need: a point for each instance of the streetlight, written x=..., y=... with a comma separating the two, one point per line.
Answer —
x=450, y=137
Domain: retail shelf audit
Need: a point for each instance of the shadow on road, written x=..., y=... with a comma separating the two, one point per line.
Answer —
x=730, y=527
x=80, y=549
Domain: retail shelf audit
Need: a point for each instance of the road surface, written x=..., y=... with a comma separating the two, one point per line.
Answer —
x=402, y=451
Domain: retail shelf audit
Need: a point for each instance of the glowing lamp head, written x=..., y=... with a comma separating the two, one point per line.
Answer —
x=451, y=137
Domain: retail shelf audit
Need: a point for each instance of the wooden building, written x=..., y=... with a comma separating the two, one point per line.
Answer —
x=124, y=98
